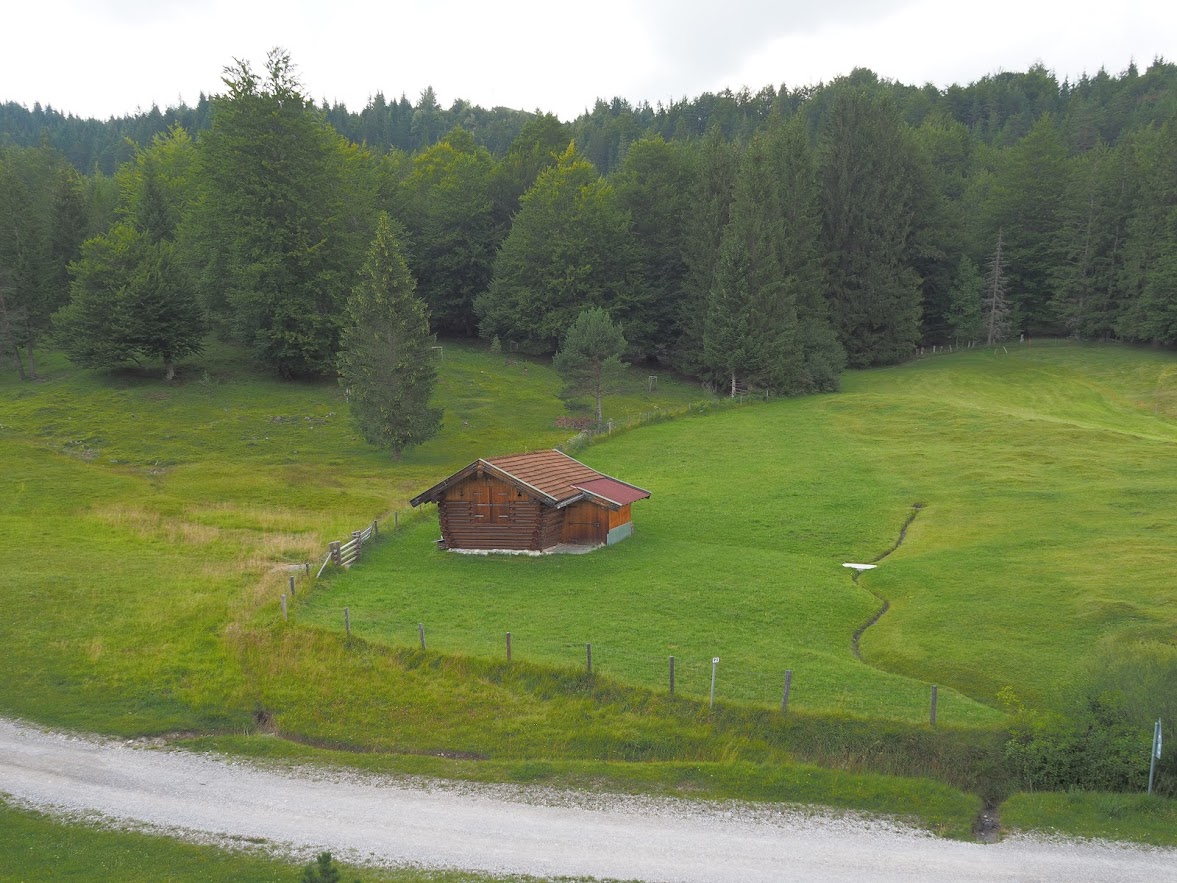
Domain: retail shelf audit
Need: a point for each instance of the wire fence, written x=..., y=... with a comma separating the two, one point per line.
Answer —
x=722, y=677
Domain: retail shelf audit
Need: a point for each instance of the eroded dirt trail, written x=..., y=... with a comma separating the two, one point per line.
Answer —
x=378, y=821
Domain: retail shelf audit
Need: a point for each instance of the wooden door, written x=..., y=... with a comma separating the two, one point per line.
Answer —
x=584, y=524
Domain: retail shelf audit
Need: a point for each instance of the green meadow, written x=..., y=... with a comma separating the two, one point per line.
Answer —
x=1045, y=480
x=150, y=527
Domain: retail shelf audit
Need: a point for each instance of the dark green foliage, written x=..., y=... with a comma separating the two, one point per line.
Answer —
x=766, y=322
x=570, y=246
x=387, y=362
x=589, y=361
x=277, y=256
x=1093, y=225
x=131, y=301
x=868, y=216
x=449, y=213
x=711, y=197
x=538, y=146
x=964, y=303
x=655, y=185
x=1099, y=738
x=1149, y=274
x=42, y=226
x=324, y=870
x=1026, y=203
x=995, y=305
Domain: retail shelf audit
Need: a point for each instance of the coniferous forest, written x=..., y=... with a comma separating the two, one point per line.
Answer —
x=752, y=240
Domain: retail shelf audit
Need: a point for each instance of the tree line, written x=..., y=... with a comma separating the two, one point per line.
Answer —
x=753, y=241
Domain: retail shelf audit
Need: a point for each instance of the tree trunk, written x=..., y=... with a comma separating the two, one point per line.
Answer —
x=170, y=370
x=733, y=384
x=32, y=362
x=600, y=416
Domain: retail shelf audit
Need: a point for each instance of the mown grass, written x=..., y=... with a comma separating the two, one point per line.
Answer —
x=150, y=520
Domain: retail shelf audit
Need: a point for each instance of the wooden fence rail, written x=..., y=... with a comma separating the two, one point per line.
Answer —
x=345, y=554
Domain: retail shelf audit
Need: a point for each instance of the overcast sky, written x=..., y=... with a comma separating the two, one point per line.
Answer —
x=110, y=57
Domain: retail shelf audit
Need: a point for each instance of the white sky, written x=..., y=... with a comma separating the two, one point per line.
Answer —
x=110, y=57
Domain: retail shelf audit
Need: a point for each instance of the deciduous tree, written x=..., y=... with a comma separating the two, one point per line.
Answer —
x=570, y=247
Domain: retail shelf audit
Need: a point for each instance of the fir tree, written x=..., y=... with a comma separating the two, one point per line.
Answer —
x=130, y=301
x=868, y=217
x=766, y=321
x=711, y=199
x=386, y=359
x=589, y=362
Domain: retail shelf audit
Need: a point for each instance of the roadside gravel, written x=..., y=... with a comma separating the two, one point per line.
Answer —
x=516, y=830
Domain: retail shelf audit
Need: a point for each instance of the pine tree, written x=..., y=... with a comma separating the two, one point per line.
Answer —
x=386, y=358
x=589, y=361
x=996, y=307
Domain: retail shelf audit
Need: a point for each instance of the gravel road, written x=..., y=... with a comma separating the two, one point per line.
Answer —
x=503, y=829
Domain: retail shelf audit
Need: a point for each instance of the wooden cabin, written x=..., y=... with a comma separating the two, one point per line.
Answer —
x=531, y=502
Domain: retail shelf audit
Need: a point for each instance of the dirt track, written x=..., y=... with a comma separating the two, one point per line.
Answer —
x=377, y=821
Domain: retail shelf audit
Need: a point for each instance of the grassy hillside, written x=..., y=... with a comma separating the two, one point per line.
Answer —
x=1043, y=477
x=143, y=518
x=153, y=524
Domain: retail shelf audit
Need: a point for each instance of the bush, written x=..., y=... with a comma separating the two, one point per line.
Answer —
x=1100, y=739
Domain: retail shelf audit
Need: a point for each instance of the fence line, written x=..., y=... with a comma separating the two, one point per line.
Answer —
x=701, y=678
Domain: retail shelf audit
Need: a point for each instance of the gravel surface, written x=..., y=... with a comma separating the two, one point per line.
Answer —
x=503, y=829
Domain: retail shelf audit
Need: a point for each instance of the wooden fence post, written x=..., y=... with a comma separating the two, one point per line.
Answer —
x=284, y=608
x=588, y=650
x=358, y=539
x=336, y=558
x=788, y=684
x=671, y=675
x=508, y=646
x=714, y=666
x=396, y=520
x=292, y=587
x=421, y=633
x=375, y=527
x=347, y=621
x=933, y=718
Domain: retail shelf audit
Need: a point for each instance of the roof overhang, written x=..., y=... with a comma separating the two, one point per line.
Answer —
x=480, y=465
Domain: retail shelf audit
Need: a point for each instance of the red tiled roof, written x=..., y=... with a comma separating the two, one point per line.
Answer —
x=614, y=491
x=552, y=474
x=549, y=472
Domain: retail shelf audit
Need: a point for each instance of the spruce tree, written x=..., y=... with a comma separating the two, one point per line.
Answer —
x=276, y=241
x=386, y=359
x=766, y=323
x=589, y=361
x=964, y=303
x=868, y=219
x=711, y=199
